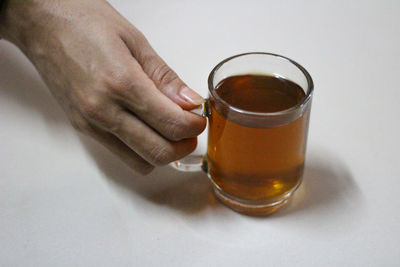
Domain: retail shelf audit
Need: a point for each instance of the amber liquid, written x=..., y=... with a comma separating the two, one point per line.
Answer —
x=257, y=163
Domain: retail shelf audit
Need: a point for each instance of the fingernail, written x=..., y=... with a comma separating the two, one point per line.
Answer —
x=191, y=96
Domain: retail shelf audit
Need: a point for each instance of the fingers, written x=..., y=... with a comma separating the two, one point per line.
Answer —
x=134, y=90
x=116, y=146
x=150, y=145
x=165, y=79
x=127, y=155
x=139, y=138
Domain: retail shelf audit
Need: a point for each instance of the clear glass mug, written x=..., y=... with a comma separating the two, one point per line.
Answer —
x=254, y=160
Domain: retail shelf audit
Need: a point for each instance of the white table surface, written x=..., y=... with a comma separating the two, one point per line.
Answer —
x=66, y=201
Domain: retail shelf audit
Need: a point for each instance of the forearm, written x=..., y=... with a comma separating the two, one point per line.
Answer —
x=23, y=21
x=15, y=20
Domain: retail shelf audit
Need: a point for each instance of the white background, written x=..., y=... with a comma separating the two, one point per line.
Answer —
x=66, y=201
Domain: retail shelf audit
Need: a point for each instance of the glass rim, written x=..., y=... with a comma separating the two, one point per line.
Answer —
x=212, y=89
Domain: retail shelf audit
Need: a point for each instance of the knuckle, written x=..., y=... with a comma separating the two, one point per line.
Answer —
x=139, y=37
x=144, y=169
x=114, y=125
x=91, y=107
x=101, y=113
x=80, y=124
x=161, y=155
x=164, y=74
x=119, y=81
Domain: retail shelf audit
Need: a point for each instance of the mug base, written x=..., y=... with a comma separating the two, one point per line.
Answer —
x=249, y=208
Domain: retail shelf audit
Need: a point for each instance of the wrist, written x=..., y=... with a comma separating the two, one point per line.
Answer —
x=9, y=18
x=17, y=20
x=2, y=7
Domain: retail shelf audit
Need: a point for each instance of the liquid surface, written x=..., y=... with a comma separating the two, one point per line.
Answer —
x=257, y=163
x=260, y=93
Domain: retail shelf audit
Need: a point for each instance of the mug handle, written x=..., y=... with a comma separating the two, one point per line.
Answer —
x=194, y=163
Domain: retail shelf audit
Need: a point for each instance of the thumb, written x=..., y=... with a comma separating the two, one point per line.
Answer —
x=165, y=79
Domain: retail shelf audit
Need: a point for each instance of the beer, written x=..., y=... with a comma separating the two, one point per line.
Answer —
x=257, y=162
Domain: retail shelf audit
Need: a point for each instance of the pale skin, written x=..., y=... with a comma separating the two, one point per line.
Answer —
x=108, y=79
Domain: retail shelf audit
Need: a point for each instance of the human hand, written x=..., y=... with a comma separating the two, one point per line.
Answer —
x=107, y=78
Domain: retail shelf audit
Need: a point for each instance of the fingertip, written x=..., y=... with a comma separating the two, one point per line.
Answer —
x=190, y=145
x=198, y=122
x=144, y=170
x=193, y=143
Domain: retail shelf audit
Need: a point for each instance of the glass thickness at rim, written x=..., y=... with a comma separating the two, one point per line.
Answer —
x=310, y=88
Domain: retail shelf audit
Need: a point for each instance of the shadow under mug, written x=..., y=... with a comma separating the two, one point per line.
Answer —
x=254, y=160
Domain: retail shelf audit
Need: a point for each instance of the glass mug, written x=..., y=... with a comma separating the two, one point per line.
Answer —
x=254, y=160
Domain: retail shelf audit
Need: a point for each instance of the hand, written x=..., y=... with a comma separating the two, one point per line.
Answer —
x=108, y=79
